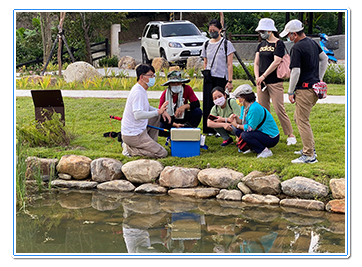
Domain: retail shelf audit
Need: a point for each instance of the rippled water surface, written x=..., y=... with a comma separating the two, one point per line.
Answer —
x=69, y=221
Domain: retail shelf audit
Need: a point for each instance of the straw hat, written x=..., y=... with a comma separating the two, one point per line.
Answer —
x=175, y=77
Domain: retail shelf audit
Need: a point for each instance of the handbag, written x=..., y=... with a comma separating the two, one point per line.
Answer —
x=320, y=89
x=241, y=144
x=283, y=70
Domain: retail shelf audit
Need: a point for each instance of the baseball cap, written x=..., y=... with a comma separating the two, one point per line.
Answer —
x=292, y=26
x=266, y=24
x=243, y=89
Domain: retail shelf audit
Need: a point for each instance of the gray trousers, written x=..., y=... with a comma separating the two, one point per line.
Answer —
x=145, y=144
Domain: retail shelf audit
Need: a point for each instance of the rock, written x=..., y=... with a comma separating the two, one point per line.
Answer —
x=244, y=189
x=117, y=185
x=142, y=171
x=265, y=185
x=106, y=169
x=336, y=205
x=80, y=71
x=127, y=62
x=304, y=188
x=197, y=192
x=64, y=176
x=220, y=178
x=74, y=184
x=76, y=166
x=172, y=68
x=159, y=63
x=302, y=203
x=39, y=166
x=229, y=195
x=259, y=199
x=253, y=174
x=338, y=188
x=195, y=62
x=179, y=177
x=151, y=189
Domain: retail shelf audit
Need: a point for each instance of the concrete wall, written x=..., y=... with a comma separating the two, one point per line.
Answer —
x=246, y=51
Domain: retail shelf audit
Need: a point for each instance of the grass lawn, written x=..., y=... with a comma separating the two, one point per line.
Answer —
x=88, y=119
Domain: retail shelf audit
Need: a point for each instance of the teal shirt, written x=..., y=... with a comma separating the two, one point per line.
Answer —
x=255, y=116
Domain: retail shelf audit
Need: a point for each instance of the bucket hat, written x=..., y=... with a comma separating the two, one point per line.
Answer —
x=266, y=24
x=175, y=77
x=243, y=89
x=292, y=26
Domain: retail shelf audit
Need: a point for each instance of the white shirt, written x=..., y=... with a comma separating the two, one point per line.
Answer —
x=137, y=102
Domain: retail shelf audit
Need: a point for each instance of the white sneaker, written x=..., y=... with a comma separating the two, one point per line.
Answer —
x=305, y=159
x=265, y=153
x=291, y=141
x=125, y=151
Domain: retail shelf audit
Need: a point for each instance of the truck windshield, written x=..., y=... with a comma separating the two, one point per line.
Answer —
x=179, y=30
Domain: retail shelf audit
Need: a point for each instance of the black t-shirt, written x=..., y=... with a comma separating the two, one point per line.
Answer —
x=267, y=51
x=305, y=55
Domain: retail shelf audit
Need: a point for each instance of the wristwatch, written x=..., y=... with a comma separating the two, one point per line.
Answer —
x=230, y=81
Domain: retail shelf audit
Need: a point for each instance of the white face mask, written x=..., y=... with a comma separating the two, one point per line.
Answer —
x=220, y=101
x=176, y=89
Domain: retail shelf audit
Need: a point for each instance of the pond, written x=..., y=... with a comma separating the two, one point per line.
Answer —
x=92, y=222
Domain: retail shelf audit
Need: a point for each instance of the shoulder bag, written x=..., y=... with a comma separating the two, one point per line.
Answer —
x=283, y=71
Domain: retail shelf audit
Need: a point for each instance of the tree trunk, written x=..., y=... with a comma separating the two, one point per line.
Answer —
x=86, y=26
x=60, y=44
x=46, y=34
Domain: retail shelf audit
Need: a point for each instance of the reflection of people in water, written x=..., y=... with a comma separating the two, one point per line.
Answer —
x=135, y=239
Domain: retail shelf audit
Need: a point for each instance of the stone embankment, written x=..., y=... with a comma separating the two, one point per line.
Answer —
x=151, y=177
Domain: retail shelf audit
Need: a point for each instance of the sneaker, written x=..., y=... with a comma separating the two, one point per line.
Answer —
x=227, y=142
x=265, y=153
x=305, y=159
x=291, y=141
x=300, y=152
x=124, y=151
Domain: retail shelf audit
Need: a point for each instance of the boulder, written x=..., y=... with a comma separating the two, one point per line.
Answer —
x=159, y=63
x=80, y=71
x=106, y=169
x=127, y=62
x=74, y=184
x=244, y=189
x=176, y=177
x=336, y=205
x=253, y=174
x=76, y=166
x=220, y=178
x=197, y=192
x=117, y=185
x=142, y=171
x=338, y=188
x=40, y=167
x=302, y=203
x=264, y=185
x=225, y=194
x=150, y=188
x=195, y=62
x=304, y=188
x=259, y=199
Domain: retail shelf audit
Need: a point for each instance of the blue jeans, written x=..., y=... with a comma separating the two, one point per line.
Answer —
x=258, y=140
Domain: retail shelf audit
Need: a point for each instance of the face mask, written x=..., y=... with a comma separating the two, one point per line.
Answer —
x=176, y=89
x=290, y=41
x=151, y=82
x=214, y=35
x=239, y=103
x=220, y=101
x=264, y=35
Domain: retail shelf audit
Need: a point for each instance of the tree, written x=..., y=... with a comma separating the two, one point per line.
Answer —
x=46, y=34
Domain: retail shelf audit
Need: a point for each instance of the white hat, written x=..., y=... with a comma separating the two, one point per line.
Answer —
x=292, y=26
x=243, y=89
x=266, y=25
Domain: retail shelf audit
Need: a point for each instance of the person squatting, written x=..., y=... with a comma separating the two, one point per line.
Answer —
x=225, y=113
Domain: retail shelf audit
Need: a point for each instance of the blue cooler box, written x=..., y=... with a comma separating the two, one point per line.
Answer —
x=185, y=142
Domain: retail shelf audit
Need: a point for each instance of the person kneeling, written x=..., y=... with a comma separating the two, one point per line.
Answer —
x=259, y=129
x=219, y=117
x=184, y=106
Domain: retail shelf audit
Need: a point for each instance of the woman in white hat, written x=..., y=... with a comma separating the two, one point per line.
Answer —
x=267, y=58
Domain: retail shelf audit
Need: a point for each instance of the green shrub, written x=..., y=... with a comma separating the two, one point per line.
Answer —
x=108, y=62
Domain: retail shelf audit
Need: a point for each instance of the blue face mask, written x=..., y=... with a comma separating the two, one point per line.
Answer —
x=151, y=82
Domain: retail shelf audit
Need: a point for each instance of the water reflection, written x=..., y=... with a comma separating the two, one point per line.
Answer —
x=71, y=221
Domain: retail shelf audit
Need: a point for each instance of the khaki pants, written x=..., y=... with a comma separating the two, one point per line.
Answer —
x=275, y=92
x=145, y=144
x=304, y=102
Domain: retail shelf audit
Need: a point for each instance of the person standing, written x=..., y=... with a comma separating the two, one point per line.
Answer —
x=308, y=64
x=268, y=56
x=138, y=140
x=218, y=60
